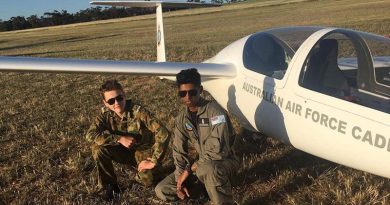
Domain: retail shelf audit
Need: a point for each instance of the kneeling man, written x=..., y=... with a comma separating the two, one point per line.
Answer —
x=126, y=133
x=206, y=126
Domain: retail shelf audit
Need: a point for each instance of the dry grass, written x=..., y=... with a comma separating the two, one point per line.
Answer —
x=44, y=158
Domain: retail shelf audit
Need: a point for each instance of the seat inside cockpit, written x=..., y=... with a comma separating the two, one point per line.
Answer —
x=323, y=73
x=339, y=66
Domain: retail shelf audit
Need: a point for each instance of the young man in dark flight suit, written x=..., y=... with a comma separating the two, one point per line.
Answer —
x=207, y=127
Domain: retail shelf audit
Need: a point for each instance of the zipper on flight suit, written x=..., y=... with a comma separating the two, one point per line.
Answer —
x=195, y=131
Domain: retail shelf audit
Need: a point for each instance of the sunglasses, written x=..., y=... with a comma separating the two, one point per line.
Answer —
x=118, y=98
x=191, y=93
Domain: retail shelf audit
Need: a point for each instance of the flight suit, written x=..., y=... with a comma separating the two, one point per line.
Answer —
x=213, y=138
x=151, y=141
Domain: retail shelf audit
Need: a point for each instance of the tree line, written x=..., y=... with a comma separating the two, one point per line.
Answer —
x=63, y=17
x=90, y=14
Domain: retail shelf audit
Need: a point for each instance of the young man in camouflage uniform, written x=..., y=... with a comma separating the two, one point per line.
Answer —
x=206, y=126
x=126, y=133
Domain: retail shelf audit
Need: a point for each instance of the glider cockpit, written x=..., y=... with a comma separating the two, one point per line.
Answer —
x=350, y=67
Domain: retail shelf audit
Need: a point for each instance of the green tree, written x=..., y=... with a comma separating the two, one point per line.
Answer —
x=34, y=21
x=19, y=22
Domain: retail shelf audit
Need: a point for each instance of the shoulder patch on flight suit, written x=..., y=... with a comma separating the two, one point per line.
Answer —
x=217, y=119
x=203, y=122
x=188, y=127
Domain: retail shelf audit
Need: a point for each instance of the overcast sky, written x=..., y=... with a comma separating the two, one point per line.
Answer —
x=26, y=8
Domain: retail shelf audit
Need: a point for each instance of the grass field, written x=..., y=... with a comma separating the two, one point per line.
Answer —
x=44, y=158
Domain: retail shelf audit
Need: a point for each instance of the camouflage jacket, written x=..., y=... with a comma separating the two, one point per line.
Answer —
x=212, y=136
x=137, y=122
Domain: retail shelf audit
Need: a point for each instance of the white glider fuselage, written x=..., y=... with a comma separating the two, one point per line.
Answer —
x=326, y=126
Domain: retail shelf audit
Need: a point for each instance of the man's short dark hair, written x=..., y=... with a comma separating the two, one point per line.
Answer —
x=186, y=76
x=110, y=85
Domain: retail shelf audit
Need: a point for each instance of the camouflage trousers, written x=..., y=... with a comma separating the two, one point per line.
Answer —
x=106, y=153
x=215, y=176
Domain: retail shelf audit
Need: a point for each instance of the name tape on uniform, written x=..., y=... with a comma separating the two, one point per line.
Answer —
x=203, y=122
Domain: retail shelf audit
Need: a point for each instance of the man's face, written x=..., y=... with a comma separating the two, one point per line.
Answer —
x=190, y=94
x=115, y=101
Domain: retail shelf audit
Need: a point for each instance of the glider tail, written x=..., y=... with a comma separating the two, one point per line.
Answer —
x=160, y=34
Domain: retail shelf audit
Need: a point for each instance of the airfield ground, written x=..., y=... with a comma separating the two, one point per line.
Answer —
x=44, y=158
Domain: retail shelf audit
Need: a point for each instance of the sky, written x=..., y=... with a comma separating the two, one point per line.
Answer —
x=26, y=8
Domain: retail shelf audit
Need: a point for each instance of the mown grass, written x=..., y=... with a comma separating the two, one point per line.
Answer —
x=44, y=158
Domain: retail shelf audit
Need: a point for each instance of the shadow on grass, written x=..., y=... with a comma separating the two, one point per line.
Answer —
x=25, y=46
x=79, y=38
x=305, y=168
x=48, y=52
x=66, y=40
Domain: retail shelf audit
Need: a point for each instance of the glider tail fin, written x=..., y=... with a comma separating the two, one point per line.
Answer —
x=160, y=34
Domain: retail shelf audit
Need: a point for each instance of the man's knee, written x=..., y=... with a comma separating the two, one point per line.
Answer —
x=145, y=178
x=141, y=155
x=212, y=173
x=159, y=190
x=204, y=168
x=166, y=189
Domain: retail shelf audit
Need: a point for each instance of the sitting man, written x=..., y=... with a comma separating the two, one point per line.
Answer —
x=206, y=126
x=128, y=134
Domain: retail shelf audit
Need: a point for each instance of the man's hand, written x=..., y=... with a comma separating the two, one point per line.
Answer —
x=127, y=141
x=182, y=191
x=193, y=167
x=146, y=164
x=182, y=178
